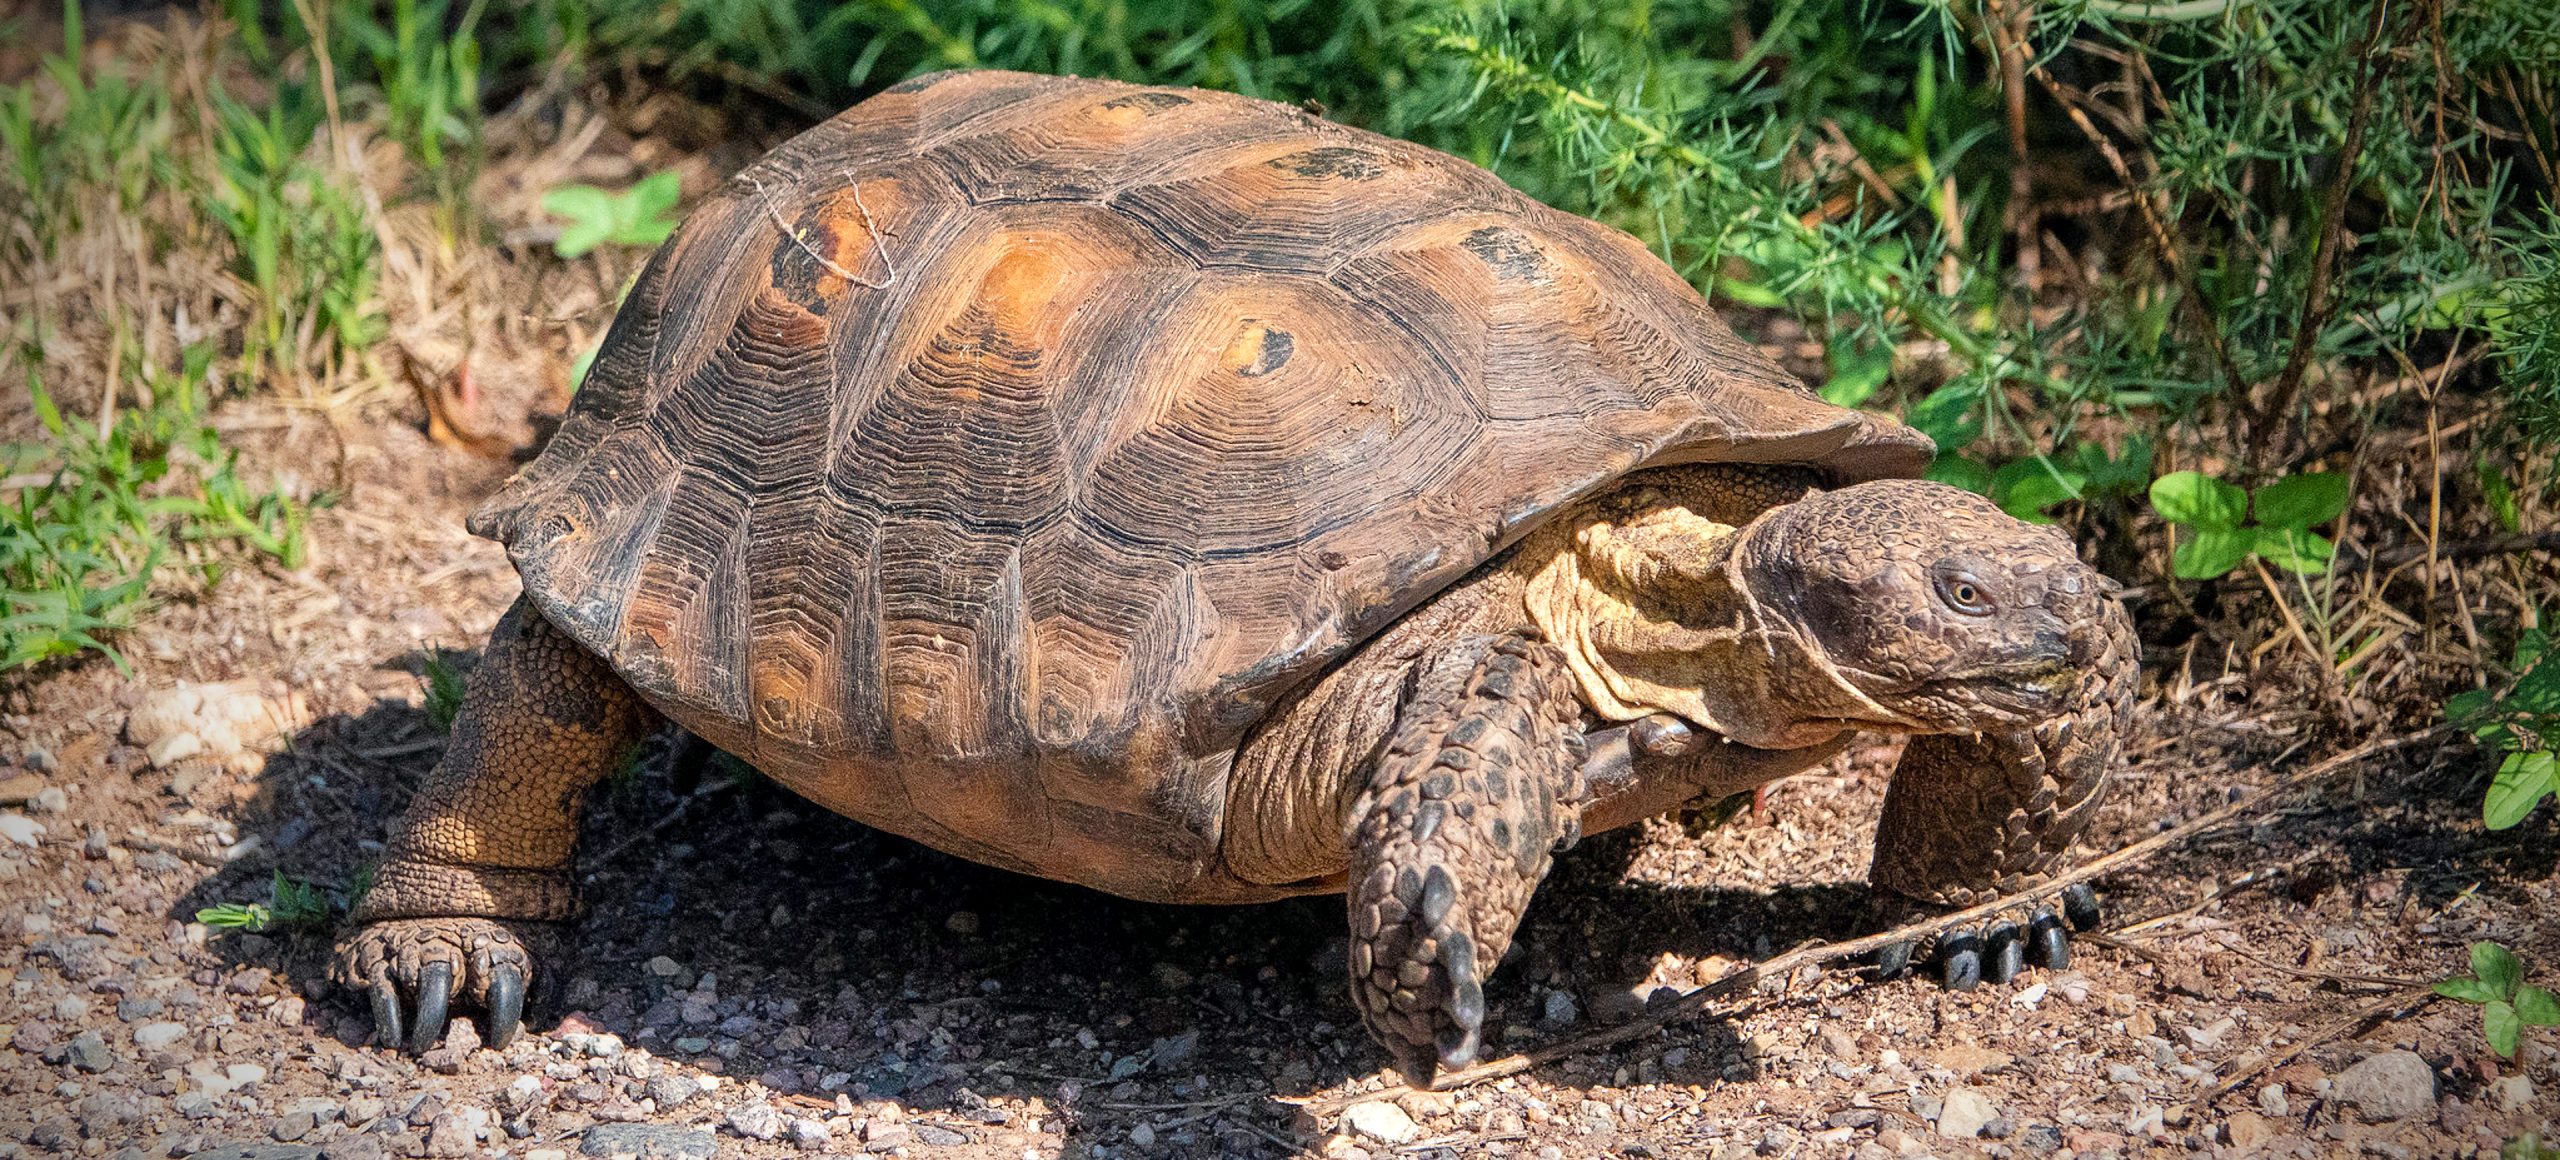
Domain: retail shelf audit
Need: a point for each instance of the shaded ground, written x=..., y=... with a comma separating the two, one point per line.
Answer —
x=746, y=950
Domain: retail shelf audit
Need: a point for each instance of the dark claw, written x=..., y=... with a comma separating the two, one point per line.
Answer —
x=506, y=1004
x=1893, y=959
x=386, y=1010
x=1960, y=961
x=2004, y=953
x=2080, y=905
x=1457, y=1047
x=435, y=990
x=2047, y=943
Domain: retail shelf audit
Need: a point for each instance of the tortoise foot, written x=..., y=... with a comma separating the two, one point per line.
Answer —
x=414, y=969
x=1967, y=957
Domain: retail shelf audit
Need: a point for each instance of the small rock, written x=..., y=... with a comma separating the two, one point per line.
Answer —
x=49, y=800
x=672, y=1091
x=809, y=1134
x=1172, y=977
x=88, y=1052
x=880, y=1134
x=2247, y=1130
x=1963, y=1113
x=521, y=1093
x=756, y=1121
x=2513, y=1093
x=1560, y=1011
x=962, y=922
x=294, y=1126
x=140, y=1010
x=20, y=828
x=2271, y=1101
x=647, y=1142
x=71, y=1008
x=938, y=1136
x=450, y=1134
x=2390, y=1086
x=1381, y=1121
x=154, y=1036
x=1143, y=1135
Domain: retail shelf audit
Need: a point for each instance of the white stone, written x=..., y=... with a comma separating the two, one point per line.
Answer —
x=1381, y=1121
x=2514, y=1093
x=20, y=828
x=1963, y=1114
x=153, y=1036
x=757, y=1121
x=222, y=719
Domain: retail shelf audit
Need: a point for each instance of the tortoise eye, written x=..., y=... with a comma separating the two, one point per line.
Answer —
x=1963, y=592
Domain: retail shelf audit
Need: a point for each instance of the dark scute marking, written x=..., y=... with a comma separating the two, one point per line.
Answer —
x=1438, y=895
x=1469, y=731
x=1409, y=888
x=1152, y=102
x=1277, y=346
x=1343, y=161
x=1512, y=255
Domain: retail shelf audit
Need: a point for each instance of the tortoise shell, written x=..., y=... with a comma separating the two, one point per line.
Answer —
x=987, y=461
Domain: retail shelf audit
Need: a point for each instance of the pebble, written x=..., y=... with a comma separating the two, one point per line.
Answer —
x=140, y=1010
x=1381, y=1121
x=2271, y=1101
x=2390, y=1086
x=20, y=828
x=809, y=1134
x=451, y=1134
x=962, y=922
x=938, y=1136
x=1964, y=1112
x=1560, y=1010
x=154, y=1036
x=756, y=1121
x=71, y=1008
x=1144, y=1135
x=647, y=1142
x=2513, y=1094
x=672, y=1091
x=880, y=1134
x=88, y=1052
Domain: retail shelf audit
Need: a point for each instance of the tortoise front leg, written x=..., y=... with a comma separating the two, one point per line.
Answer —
x=1969, y=818
x=478, y=869
x=1480, y=784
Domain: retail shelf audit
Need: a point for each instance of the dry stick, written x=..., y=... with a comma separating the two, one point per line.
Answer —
x=2391, y=1006
x=1785, y=964
x=2316, y=306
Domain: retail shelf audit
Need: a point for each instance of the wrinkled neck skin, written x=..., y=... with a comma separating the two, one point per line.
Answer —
x=1657, y=614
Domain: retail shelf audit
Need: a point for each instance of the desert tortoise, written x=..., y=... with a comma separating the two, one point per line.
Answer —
x=1181, y=495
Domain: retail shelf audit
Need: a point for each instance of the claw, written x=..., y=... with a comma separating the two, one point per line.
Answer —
x=435, y=991
x=1893, y=959
x=2004, y=953
x=506, y=1004
x=1960, y=961
x=386, y=1009
x=2080, y=905
x=2048, y=944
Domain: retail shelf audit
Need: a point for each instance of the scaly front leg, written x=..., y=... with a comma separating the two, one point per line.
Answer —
x=1969, y=818
x=1480, y=784
x=478, y=870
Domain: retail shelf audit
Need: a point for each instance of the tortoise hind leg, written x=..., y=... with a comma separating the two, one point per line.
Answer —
x=1969, y=818
x=1479, y=785
x=477, y=873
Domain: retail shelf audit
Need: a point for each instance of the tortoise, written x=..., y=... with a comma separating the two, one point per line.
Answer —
x=1181, y=495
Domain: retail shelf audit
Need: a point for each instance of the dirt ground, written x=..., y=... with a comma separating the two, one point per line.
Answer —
x=756, y=977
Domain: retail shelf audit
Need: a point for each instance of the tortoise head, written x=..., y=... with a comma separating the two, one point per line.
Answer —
x=1928, y=601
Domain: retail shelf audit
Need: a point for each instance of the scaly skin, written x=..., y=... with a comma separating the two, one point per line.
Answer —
x=476, y=878
x=1480, y=786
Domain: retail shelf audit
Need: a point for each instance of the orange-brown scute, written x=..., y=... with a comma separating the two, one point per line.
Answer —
x=994, y=505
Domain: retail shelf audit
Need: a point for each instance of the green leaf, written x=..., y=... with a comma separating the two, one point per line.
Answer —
x=2295, y=550
x=2025, y=487
x=2200, y=501
x=2501, y=496
x=2497, y=967
x=2466, y=990
x=2122, y=473
x=1950, y=415
x=2502, y=1025
x=2523, y=780
x=1856, y=373
x=579, y=203
x=2212, y=553
x=1957, y=471
x=2537, y=1007
x=2303, y=501
x=2464, y=707
x=655, y=195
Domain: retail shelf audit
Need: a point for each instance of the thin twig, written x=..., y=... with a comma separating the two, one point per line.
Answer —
x=1783, y=965
x=2392, y=1006
x=766, y=200
x=2316, y=304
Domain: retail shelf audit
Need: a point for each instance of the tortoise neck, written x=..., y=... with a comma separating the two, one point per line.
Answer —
x=1670, y=612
